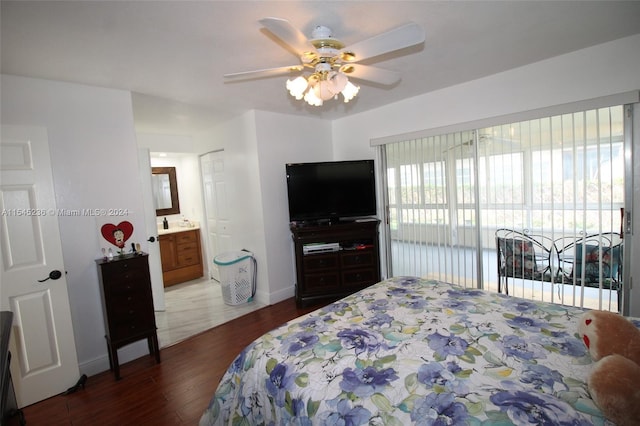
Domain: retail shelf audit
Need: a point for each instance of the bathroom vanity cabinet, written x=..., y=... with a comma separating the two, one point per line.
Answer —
x=181, y=255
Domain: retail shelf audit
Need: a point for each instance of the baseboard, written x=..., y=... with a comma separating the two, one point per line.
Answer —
x=278, y=296
x=125, y=354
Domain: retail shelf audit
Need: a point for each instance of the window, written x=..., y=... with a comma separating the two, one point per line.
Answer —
x=560, y=177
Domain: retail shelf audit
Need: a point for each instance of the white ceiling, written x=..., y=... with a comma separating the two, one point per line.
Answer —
x=173, y=54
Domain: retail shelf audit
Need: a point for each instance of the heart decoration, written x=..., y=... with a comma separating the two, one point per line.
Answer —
x=117, y=234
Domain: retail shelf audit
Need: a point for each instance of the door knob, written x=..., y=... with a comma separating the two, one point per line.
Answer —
x=54, y=275
x=151, y=239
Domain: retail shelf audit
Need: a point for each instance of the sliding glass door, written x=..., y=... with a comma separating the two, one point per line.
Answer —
x=560, y=179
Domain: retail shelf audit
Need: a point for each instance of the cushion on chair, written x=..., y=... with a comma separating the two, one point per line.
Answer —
x=519, y=258
x=610, y=262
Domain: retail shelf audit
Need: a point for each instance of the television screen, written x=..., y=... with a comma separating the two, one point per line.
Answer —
x=331, y=190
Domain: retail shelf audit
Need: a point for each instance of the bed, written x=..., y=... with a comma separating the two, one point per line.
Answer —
x=414, y=351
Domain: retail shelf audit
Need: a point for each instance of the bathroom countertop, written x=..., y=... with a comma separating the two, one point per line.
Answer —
x=175, y=229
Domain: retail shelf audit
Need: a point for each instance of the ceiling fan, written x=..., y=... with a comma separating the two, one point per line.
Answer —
x=330, y=62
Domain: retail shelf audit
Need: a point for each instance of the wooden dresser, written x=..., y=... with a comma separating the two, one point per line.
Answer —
x=331, y=274
x=127, y=303
x=181, y=256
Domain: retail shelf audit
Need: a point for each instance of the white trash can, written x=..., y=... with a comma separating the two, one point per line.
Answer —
x=238, y=271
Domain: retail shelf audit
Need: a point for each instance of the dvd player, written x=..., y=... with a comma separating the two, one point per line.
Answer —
x=320, y=248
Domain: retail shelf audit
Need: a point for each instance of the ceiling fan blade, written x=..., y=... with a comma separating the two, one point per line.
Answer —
x=373, y=74
x=407, y=35
x=286, y=32
x=267, y=72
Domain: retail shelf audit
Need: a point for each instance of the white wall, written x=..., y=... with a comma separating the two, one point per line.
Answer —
x=282, y=140
x=601, y=70
x=257, y=146
x=585, y=74
x=95, y=165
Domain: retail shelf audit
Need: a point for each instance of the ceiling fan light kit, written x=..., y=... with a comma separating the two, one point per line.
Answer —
x=331, y=62
x=322, y=86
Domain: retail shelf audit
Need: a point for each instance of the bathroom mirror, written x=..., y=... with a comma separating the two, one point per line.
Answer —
x=165, y=190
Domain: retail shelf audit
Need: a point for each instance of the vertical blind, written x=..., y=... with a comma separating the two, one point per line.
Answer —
x=561, y=177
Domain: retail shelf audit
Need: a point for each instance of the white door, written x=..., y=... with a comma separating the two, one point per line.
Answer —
x=216, y=208
x=153, y=247
x=44, y=360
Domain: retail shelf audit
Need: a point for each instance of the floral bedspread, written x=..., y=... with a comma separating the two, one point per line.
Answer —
x=413, y=351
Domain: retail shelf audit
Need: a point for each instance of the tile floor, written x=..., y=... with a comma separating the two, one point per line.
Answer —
x=193, y=307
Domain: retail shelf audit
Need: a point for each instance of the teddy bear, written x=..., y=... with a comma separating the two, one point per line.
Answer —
x=614, y=383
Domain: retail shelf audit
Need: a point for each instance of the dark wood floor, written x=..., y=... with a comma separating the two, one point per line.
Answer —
x=174, y=392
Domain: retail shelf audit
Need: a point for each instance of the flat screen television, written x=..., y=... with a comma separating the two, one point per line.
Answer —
x=331, y=191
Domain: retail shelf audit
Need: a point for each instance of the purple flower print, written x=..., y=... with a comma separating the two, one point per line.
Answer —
x=299, y=342
x=447, y=345
x=359, y=340
x=346, y=415
x=516, y=346
x=438, y=409
x=365, y=382
x=279, y=382
x=525, y=408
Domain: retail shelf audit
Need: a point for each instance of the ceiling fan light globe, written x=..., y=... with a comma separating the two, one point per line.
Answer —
x=324, y=90
x=297, y=87
x=312, y=99
x=338, y=81
x=350, y=91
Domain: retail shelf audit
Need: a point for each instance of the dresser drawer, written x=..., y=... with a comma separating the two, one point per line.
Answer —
x=357, y=258
x=319, y=283
x=125, y=330
x=316, y=262
x=123, y=266
x=125, y=280
x=120, y=296
x=359, y=277
x=134, y=298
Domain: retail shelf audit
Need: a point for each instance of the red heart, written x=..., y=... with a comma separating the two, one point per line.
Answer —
x=117, y=234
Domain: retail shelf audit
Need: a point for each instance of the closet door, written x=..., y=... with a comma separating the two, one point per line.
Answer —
x=218, y=239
